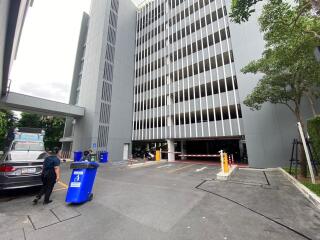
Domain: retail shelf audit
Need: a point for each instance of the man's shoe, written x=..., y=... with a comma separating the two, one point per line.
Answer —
x=47, y=202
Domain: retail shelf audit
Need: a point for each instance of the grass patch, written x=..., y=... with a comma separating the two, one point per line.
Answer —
x=313, y=187
x=306, y=182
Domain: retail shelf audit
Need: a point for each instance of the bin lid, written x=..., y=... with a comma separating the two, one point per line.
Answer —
x=84, y=165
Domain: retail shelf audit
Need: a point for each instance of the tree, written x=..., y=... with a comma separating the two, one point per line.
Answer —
x=289, y=69
x=54, y=128
x=30, y=120
x=7, y=122
x=241, y=11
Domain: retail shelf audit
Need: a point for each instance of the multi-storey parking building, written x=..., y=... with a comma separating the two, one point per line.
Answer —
x=168, y=73
x=185, y=83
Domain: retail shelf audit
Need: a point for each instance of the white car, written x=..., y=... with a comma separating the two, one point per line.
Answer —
x=21, y=166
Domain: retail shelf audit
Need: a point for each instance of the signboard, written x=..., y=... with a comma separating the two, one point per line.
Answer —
x=76, y=179
x=31, y=137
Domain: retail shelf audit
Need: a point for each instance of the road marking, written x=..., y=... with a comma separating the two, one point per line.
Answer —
x=144, y=164
x=63, y=184
x=178, y=169
x=201, y=169
x=59, y=189
x=165, y=166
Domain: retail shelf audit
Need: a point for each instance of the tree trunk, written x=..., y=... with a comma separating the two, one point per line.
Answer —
x=303, y=159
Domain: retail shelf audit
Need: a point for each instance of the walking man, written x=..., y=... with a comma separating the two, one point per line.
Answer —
x=50, y=175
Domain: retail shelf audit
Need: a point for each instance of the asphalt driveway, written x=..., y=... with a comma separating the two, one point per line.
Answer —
x=166, y=201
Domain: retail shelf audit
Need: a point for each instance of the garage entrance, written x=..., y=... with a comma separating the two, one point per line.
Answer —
x=236, y=147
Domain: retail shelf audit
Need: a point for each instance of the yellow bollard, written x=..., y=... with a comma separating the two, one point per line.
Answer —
x=225, y=163
x=158, y=155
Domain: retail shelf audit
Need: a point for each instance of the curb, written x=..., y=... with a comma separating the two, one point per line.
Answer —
x=226, y=176
x=257, y=169
x=312, y=197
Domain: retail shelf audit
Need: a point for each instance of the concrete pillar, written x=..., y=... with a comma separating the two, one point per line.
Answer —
x=169, y=121
x=171, y=156
x=183, y=149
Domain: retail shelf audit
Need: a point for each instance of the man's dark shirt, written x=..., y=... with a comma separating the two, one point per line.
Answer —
x=50, y=163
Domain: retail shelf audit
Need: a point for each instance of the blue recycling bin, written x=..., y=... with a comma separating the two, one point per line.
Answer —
x=77, y=156
x=104, y=157
x=81, y=181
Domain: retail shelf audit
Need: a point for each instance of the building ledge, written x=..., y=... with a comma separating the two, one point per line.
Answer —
x=25, y=103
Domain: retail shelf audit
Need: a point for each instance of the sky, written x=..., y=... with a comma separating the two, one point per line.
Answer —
x=47, y=50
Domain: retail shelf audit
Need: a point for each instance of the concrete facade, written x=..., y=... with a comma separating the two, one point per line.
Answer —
x=103, y=79
x=185, y=86
x=169, y=71
x=122, y=87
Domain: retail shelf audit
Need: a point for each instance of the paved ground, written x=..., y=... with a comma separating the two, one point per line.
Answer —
x=167, y=201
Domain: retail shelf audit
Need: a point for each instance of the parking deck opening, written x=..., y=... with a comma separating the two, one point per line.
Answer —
x=208, y=150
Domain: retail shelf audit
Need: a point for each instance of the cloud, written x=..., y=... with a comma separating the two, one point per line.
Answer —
x=52, y=91
x=47, y=49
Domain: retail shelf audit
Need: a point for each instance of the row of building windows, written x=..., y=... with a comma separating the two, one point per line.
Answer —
x=151, y=16
x=193, y=69
x=105, y=113
x=211, y=115
x=155, y=83
x=113, y=19
x=108, y=72
x=106, y=93
x=188, y=94
x=180, y=34
x=201, y=44
x=103, y=132
x=177, y=18
x=115, y=5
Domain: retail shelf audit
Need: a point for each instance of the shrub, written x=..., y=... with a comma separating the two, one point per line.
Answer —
x=314, y=133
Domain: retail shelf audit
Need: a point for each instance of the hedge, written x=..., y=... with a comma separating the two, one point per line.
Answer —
x=314, y=133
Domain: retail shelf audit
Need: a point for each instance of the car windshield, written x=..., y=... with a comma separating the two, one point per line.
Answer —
x=28, y=146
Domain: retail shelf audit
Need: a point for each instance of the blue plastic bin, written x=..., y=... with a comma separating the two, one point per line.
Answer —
x=104, y=157
x=77, y=156
x=81, y=182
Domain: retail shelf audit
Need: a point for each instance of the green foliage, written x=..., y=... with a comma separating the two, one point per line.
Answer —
x=307, y=182
x=3, y=125
x=241, y=10
x=30, y=120
x=313, y=187
x=7, y=122
x=314, y=133
x=54, y=128
x=289, y=70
